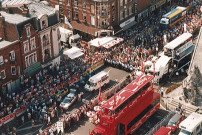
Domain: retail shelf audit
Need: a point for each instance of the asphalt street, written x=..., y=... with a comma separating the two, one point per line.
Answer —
x=115, y=74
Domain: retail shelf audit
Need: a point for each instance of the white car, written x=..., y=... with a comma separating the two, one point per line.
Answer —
x=72, y=93
x=67, y=102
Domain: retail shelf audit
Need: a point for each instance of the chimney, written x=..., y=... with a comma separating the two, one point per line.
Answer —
x=25, y=11
x=2, y=25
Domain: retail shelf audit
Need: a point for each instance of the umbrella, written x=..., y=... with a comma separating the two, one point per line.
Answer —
x=103, y=102
x=91, y=114
x=97, y=108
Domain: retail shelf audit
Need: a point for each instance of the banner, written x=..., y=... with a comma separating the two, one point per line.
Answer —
x=7, y=119
x=94, y=67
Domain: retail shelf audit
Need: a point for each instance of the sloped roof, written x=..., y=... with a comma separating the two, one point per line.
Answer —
x=14, y=3
x=37, y=9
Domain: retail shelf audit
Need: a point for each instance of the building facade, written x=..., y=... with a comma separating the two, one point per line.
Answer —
x=96, y=16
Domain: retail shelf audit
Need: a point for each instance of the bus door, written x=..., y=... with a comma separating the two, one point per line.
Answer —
x=121, y=129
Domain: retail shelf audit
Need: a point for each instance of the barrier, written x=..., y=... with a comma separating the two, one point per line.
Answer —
x=94, y=67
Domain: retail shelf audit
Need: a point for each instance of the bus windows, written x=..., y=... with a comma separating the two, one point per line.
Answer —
x=146, y=87
x=121, y=129
x=121, y=107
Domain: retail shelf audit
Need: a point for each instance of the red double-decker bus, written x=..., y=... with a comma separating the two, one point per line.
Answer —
x=129, y=108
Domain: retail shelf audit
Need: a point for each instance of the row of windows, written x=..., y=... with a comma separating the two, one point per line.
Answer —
x=12, y=57
x=32, y=44
x=13, y=72
x=146, y=110
x=132, y=98
x=31, y=59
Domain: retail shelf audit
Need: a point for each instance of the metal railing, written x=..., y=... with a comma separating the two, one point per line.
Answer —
x=163, y=122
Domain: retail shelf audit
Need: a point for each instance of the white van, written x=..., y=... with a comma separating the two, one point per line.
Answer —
x=97, y=81
x=192, y=125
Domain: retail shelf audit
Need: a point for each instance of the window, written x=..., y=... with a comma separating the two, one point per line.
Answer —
x=28, y=31
x=46, y=54
x=12, y=55
x=31, y=59
x=92, y=20
x=1, y=60
x=121, y=2
x=104, y=22
x=130, y=10
x=43, y=24
x=3, y=74
x=58, y=34
x=45, y=40
x=84, y=16
x=84, y=5
x=121, y=14
x=126, y=12
x=76, y=14
x=68, y=13
x=26, y=46
x=126, y=1
x=13, y=70
x=68, y=2
x=76, y=3
x=32, y=42
x=92, y=9
x=113, y=18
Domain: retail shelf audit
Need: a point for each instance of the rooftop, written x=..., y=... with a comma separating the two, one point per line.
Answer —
x=37, y=9
x=14, y=3
x=13, y=18
x=5, y=43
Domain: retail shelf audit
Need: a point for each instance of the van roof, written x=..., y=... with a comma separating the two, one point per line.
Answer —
x=162, y=131
x=176, y=117
x=97, y=77
x=191, y=122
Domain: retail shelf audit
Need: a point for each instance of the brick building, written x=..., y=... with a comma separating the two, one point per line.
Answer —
x=10, y=65
x=96, y=16
x=34, y=27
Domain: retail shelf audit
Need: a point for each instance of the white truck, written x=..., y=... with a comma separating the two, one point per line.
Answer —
x=67, y=38
x=97, y=81
x=192, y=125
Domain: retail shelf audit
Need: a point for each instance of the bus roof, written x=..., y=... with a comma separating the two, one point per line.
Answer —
x=191, y=121
x=162, y=131
x=161, y=62
x=177, y=41
x=127, y=92
x=97, y=77
x=174, y=12
x=140, y=107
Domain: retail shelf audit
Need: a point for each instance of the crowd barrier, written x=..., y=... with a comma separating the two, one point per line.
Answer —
x=11, y=116
x=94, y=67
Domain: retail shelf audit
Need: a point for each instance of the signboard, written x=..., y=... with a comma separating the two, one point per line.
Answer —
x=60, y=127
x=127, y=22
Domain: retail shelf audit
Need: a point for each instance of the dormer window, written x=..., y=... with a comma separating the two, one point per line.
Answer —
x=43, y=24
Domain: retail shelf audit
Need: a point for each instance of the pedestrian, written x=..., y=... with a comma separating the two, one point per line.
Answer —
x=23, y=119
x=162, y=91
x=49, y=120
x=32, y=123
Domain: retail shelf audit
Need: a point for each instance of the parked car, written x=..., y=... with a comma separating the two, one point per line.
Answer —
x=174, y=122
x=67, y=102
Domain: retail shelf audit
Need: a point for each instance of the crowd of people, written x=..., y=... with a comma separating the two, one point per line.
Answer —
x=140, y=44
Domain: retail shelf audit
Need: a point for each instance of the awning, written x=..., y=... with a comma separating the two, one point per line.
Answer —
x=73, y=53
x=128, y=23
x=106, y=42
x=32, y=69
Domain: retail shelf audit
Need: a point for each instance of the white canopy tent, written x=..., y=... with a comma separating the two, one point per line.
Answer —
x=73, y=53
x=65, y=33
x=106, y=42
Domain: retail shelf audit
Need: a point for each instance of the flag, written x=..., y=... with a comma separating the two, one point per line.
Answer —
x=100, y=96
x=67, y=22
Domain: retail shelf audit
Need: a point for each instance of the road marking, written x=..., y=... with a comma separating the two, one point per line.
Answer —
x=30, y=127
